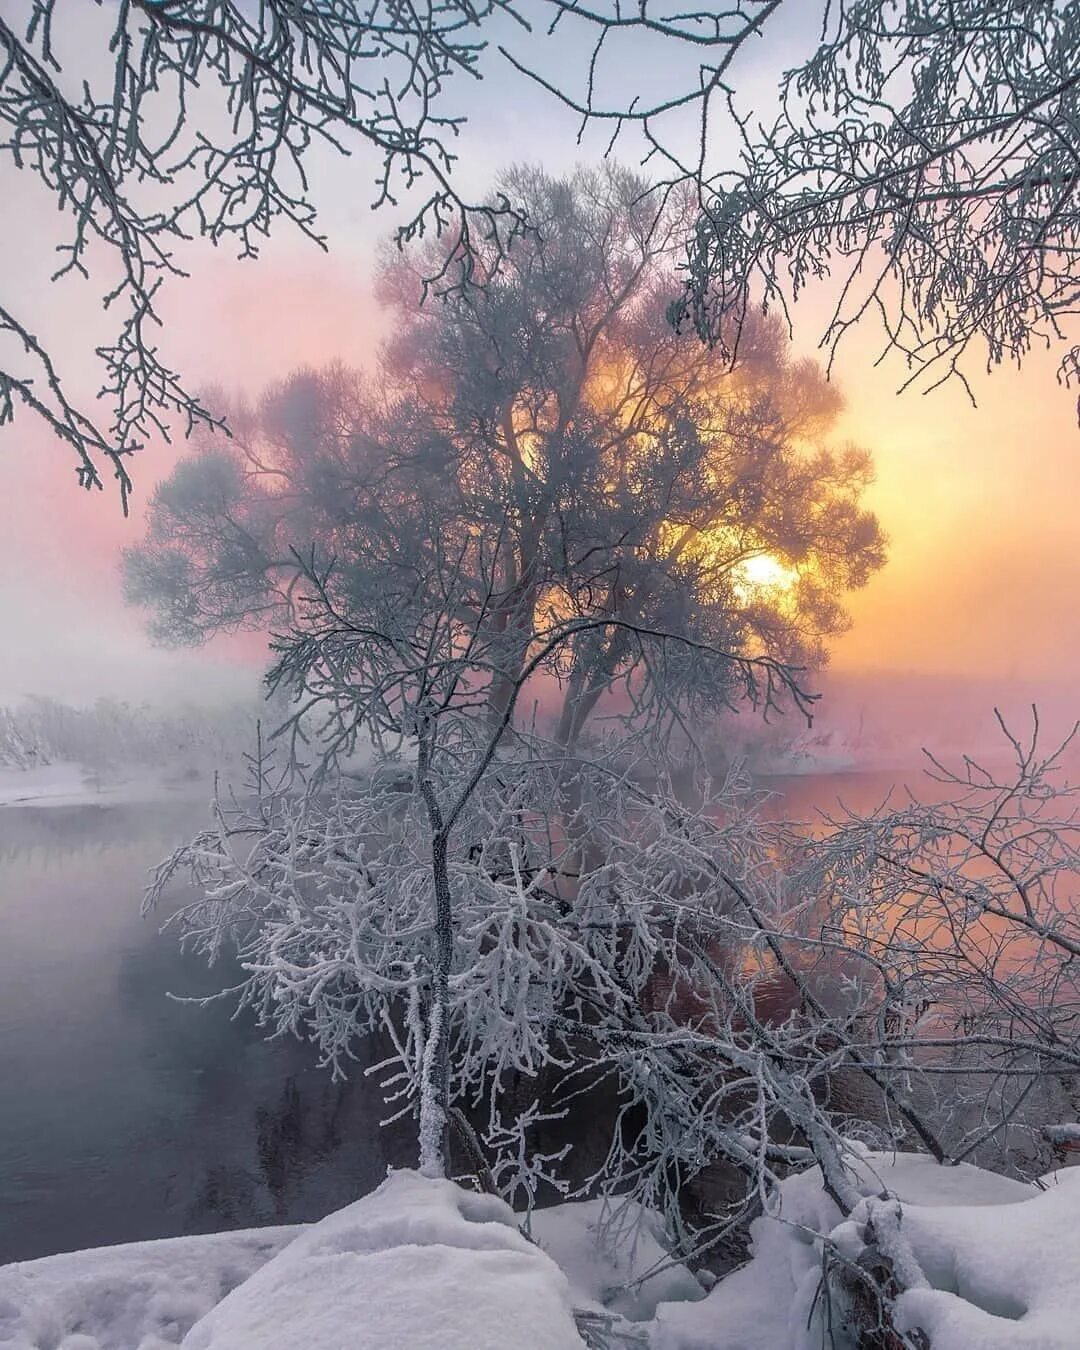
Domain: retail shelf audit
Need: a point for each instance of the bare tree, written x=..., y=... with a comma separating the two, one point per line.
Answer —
x=196, y=118
x=926, y=155
x=965, y=903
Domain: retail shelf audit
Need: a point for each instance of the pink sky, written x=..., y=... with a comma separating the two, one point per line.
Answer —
x=984, y=573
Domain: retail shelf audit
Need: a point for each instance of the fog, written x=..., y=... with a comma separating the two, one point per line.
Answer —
x=978, y=601
x=975, y=608
x=536, y=722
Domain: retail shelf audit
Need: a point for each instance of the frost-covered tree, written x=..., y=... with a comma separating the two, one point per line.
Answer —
x=109, y=734
x=613, y=468
x=926, y=155
x=151, y=124
x=470, y=869
x=683, y=492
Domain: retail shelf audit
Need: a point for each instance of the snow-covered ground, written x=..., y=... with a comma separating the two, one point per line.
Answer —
x=993, y=1263
x=71, y=785
x=141, y=1294
x=771, y=1303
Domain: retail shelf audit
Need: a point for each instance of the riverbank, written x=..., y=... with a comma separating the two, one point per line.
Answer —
x=70, y=784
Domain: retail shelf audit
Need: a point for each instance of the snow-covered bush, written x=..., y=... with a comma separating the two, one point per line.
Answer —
x=752, y=999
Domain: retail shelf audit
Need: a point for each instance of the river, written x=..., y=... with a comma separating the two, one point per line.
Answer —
x=126, y=1115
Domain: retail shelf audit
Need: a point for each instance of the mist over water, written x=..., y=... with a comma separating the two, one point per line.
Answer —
x=128, y=1115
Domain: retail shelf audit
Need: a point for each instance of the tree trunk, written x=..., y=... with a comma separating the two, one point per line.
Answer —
x=435, y=1069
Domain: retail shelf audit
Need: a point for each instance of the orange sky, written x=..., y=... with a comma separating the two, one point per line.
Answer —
x=984, y=572
x=980, y=505
x=983, y=575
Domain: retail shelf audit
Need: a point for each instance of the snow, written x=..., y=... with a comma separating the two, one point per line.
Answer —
x=420, y=1264
x=71, y=785
x=138, y=1296
x=605, y=1248
x=767, y=1304
x=1010, y=1285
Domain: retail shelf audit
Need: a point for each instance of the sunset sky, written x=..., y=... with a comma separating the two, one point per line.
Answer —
x=979, y=503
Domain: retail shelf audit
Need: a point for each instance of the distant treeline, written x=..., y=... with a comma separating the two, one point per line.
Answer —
x=111, y=733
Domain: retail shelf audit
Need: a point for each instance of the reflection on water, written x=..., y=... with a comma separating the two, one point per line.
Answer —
x=127, y=1115
x=809, y=797
x=51, y=835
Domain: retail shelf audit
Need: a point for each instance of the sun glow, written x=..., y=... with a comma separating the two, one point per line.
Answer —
x=765, y=571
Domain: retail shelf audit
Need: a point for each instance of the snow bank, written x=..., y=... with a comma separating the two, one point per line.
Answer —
x=421, y=1264
x=605, y=1248
x=1013, y=1284
x=767, y=1304
x=138, y=1296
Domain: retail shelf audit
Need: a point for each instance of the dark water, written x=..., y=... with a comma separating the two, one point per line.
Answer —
x=124, y=1115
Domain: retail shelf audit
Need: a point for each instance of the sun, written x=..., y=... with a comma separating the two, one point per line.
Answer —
x=766, y=572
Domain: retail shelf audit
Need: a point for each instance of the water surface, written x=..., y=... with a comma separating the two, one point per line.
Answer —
x=126, y=1115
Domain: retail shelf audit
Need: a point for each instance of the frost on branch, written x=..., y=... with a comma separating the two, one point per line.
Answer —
x=750, y=998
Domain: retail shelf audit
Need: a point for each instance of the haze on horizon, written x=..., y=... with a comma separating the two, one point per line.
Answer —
x=977, y=603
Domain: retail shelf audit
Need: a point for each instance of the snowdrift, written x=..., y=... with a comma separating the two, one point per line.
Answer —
x=999, y=1262
x=135, y=1296
x=420, y=1264
x=424, y=1263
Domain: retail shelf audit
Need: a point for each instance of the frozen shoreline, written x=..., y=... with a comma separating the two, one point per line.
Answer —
x=425, y=1263
x=69, y=784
